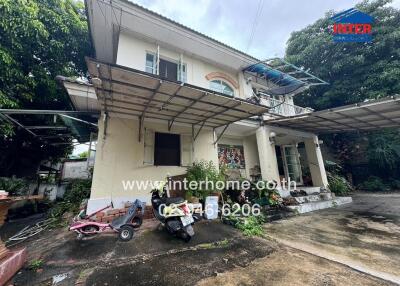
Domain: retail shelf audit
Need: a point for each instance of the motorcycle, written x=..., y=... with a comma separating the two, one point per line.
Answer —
x=123, y=225
x=175, y=214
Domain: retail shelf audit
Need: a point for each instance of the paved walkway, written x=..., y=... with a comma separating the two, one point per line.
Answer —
x=364, y=235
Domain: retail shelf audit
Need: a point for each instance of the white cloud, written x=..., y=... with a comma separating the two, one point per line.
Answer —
x=230, y=21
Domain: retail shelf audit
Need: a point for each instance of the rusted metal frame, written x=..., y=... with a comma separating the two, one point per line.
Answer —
x=303, y=124
x=148, y=112
x=45, y=112
x=221, y=134
x=171, y=97
x=177, y=96
x=195, y=135
x=142, y=116
x=160, y=101
x=379, y=114
x=14, y=121
x=194, y=101
x=356, y=119
x=78, y=119
x=336, y=122
x=138, y=104
x=105, y=115
x=221, y=112
x=46, y=127
x=154, y=117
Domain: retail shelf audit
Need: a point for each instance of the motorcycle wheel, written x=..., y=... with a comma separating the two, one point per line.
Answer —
x=126, y=233
x=186, y=238
x=187, y=233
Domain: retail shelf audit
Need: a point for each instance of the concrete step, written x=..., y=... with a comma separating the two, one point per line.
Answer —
x=315, y=198
x=319, y=205
x=310, y=190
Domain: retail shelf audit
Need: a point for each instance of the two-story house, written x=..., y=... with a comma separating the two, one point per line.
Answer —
x=169, y=96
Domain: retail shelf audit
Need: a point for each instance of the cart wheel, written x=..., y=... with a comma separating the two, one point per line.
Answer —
x=126, y=233
x=137, y=222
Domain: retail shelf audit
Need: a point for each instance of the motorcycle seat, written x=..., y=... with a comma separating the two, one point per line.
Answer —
x=169, y=201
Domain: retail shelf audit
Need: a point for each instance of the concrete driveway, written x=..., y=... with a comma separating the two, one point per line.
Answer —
x=221, y=255
x=364, y=235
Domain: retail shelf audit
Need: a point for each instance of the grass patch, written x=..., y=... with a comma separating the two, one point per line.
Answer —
x=213, y=245
x=249, y=225
x=36, y=264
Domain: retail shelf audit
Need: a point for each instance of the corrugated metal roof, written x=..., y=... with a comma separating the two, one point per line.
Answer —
x=366, y=116
x=130, y=92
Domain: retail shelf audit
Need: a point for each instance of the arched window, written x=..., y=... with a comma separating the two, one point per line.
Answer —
x=221, y=86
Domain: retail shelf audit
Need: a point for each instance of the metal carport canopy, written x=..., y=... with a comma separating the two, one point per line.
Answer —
x=129, y=92
x=365, y=116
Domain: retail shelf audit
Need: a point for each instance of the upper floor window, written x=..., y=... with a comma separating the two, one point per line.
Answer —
x=221, y=86
x=150, y=63
x=168, y=69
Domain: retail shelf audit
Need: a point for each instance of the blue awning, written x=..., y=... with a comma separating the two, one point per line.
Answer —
x=273, y=75
x=283, y=74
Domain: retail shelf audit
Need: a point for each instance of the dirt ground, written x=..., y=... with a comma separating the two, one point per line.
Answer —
x=218, y=255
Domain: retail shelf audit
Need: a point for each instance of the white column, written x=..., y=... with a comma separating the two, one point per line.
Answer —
x=316, y=162
x=267, y=154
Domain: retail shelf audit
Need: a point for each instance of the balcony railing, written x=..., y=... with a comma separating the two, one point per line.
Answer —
x=282, y=108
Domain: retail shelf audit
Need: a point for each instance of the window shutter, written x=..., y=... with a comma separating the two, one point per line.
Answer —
x=148, y=158
x=186, y=150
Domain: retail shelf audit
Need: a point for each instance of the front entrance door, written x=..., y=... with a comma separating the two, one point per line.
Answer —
x=291, y=162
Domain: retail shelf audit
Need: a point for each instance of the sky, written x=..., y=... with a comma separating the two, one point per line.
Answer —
x=232, y=21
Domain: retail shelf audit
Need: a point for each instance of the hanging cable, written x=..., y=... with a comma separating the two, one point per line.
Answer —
x=255, y=23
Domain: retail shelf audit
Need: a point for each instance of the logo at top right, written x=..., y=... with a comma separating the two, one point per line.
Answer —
x=352, y=25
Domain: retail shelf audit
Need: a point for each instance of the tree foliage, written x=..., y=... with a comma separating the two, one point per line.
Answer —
x=39, y=39
x=355, y=72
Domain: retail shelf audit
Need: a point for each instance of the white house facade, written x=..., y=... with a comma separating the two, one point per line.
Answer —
x=170, y=96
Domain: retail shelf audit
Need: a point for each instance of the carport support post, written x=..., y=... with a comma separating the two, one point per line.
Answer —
x=267, y=155
x=316, y=162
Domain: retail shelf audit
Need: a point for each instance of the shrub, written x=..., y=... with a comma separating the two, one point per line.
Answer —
x=384, y=152
x=394, y=184
x=76, y=192
x=338, y=184
x=200, y=172
x=374, y=184
x=14, y=186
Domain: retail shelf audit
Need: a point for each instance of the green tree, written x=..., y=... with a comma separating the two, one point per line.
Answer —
x=39, y=39
x=356, y=72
